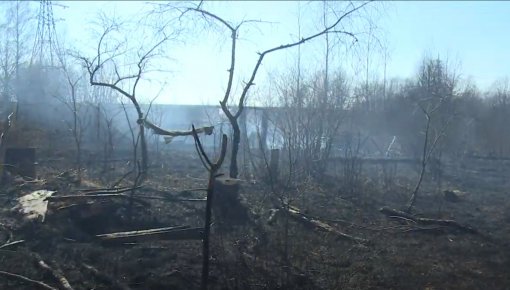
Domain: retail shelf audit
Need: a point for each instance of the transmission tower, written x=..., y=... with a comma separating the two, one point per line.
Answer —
x=46, y=51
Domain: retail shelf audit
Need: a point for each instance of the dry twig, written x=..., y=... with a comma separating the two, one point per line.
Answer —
x=26, y=279
x=8, y=244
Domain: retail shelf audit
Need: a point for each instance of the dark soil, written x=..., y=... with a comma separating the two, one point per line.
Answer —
x=285, y=254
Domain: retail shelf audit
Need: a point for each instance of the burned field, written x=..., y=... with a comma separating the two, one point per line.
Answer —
x=329, y=237
x=318, y=167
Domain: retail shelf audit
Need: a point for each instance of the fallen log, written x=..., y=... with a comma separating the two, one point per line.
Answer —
x=427, y=221
x=85, y=198
x=180, y=191
x=108, y=190
x=140, y=232
x=296, y=214
x=172, y=199
x=90, y=196
x=168, y=233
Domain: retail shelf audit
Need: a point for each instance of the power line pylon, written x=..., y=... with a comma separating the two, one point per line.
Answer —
x=47, y=51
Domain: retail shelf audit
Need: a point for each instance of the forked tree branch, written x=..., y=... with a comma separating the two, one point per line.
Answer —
x=328, y=29
x=212, y=168
x=233, y=117
x=234, y=30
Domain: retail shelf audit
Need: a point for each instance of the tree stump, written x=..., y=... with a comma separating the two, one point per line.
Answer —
x=227, y=207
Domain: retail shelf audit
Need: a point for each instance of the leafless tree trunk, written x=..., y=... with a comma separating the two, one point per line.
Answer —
x=3, y=137
x=428, y=150
x=107, y=117
x=212, y=168
x=134, y=138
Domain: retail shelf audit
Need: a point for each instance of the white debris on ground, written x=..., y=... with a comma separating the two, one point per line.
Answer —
x=33, y=206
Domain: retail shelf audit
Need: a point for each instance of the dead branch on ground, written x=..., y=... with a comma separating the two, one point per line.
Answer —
x=26, y=279
x=8, y=244
x=116, y=183
x=169, y=233
x=99, y=191
x=297, y=215
x=427, y=221
x=93, y=196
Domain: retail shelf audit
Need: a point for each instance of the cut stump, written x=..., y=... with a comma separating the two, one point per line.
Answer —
x=227, y=207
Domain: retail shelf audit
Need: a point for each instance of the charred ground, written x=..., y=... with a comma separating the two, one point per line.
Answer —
x=283, y=254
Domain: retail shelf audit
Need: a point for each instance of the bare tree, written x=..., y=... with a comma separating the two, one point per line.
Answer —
x=234, y=29
x=13, y=48
x=107, y=119
x=124, y=83
x=309, y=120
x=433, y=94
x=429, y=146
x=493, y=132
x=77, y=125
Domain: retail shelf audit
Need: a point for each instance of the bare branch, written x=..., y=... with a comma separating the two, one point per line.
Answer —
x=207, y=13
x=26, y=279
x=200, y=149
x=233, y=117
x=328, y=29
x=233, y=37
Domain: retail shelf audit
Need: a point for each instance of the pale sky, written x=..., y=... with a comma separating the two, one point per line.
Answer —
x=472, y=34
